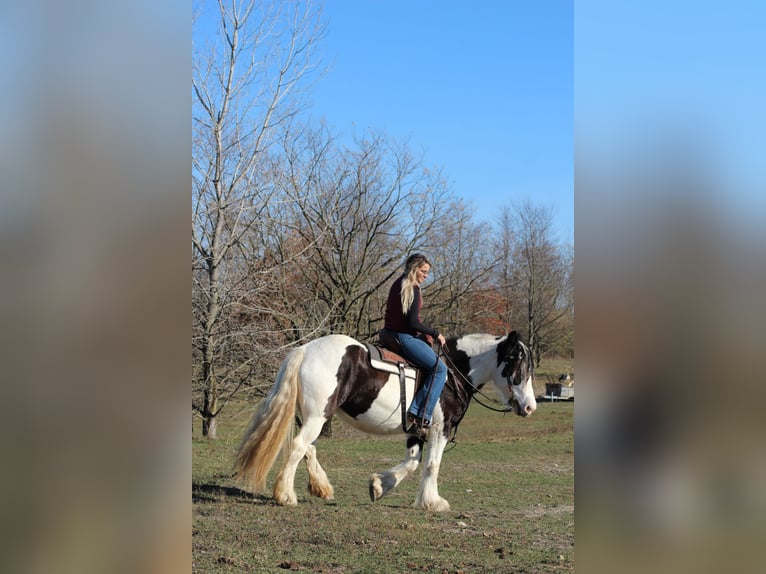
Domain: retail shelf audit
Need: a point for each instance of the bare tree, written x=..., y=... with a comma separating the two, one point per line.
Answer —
x=463, y=266
x=246, y=85
x=535, y=274
x=360, y=211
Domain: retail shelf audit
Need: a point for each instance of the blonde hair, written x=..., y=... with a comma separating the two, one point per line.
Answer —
x=413, y=263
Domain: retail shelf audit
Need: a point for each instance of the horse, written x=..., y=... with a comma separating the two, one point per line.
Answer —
x=333, y=375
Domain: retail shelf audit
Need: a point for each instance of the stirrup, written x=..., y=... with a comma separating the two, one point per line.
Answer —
x=417, y=425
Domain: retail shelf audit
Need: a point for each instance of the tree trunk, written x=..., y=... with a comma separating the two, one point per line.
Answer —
x=210, y=409
x=210, y=426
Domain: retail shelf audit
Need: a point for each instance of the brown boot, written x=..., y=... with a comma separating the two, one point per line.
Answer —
x=417, y=426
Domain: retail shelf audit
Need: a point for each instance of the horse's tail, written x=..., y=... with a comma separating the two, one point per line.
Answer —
x=270, y=428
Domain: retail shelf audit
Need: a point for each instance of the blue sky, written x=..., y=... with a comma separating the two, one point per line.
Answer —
x=484, y=89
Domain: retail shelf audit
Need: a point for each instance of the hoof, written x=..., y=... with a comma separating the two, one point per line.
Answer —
x=438, y=505
x=286, y=499
x=376, y=488
x=326, y=493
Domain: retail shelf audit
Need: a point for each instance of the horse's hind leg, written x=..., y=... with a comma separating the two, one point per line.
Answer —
x=382, y=482
x=284, y=486
x=319, y=484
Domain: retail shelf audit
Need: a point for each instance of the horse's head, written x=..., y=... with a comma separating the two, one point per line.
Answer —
x=513, y=376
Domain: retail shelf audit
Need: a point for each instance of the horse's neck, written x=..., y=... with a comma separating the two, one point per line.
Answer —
x=481, y=351
x=482, y=367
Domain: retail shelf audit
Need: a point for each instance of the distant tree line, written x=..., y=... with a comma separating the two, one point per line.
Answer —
x=296, y=235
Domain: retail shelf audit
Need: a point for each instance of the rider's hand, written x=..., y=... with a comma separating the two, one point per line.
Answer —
x=442, y=340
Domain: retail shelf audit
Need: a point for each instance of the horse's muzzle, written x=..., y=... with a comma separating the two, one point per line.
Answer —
x=523, y=412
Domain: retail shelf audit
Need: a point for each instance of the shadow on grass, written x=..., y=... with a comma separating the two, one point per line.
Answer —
x=212, y=492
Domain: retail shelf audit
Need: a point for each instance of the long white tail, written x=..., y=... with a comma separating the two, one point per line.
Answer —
x=269, y=429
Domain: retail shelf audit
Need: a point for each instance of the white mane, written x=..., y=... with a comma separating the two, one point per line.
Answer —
x=477, y=343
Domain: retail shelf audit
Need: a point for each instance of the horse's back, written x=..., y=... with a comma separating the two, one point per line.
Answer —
x=334, y=340
x=330, y=347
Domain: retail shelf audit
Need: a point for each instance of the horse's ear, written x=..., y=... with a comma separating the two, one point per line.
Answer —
x=513, y=338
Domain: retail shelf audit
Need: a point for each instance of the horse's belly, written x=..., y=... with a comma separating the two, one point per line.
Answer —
x=384, y=416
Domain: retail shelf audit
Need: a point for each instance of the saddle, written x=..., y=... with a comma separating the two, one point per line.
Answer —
x=384, y=356
x=383, y=359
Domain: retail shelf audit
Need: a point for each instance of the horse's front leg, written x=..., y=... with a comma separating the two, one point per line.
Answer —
x=428, y=495
x=382, y=482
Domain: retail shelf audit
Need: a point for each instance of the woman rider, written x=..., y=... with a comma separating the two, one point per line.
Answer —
x=403, y=323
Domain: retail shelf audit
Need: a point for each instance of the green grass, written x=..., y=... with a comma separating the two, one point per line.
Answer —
x=510, y=482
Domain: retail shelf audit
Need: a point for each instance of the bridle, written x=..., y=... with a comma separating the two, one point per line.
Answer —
x=509, y=376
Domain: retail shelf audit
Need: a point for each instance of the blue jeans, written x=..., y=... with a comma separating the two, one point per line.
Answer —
x=422, y=355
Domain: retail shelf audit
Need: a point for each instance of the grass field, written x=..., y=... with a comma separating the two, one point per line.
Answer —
x=509, y=481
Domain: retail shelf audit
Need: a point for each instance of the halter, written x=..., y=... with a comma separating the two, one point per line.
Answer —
x=466, y=381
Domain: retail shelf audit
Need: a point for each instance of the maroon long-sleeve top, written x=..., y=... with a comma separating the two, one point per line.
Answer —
x=396, y=320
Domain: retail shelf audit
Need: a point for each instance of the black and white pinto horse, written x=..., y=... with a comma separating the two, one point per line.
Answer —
x=333, y=375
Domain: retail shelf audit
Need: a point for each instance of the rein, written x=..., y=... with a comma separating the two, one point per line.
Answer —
x=466, y=381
